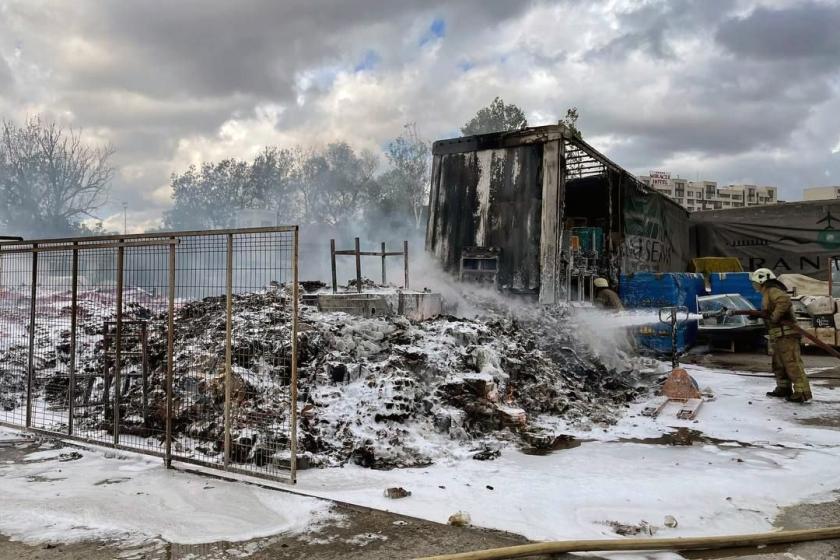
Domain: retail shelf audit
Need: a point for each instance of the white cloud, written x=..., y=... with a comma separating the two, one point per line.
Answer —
x=654, y=87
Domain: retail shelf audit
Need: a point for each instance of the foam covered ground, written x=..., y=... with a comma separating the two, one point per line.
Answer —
x=64, y=494
x=750, y=458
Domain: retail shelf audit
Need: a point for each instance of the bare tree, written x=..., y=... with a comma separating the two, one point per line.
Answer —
x=49, y=178
x=336, y=184
x=404, y=187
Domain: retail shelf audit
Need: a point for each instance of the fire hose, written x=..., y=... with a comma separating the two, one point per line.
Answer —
x=755, y=314
x=676, y=544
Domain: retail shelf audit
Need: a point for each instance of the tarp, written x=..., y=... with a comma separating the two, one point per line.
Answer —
x=708, y=265
x=795, y=238
x=655, y=232
x=804, y=285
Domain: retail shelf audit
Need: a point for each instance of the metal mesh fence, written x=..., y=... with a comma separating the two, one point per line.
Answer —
x=179, y=344
x=15, y=316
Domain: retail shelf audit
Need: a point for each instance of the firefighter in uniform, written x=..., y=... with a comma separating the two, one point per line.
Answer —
x=606, y=298
x=777, y=311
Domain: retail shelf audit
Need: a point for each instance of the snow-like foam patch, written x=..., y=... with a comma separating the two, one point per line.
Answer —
x=710, y=489
x=133, y=499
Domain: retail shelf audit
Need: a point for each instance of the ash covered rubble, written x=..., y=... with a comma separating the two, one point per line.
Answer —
x=391, y=392
x=381, y=392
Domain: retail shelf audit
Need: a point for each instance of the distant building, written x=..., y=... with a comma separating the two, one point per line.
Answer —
x=706, y=195
x=821, y=193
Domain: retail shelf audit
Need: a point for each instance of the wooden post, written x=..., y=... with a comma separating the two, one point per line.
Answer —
x=332, y=262
x=170, y=353
x=293, y=391
x=384, y=280
x=358, y=267
x=228, y=344
x=33, y=295
x=74, y=300
x=405, y=258
x=118, y=347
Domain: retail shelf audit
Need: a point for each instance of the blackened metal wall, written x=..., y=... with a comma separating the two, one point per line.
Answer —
x=489, y=198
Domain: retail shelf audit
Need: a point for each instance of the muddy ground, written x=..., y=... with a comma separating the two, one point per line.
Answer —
x=374, y=535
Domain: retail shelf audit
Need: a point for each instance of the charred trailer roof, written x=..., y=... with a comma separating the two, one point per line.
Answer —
x=517, y=192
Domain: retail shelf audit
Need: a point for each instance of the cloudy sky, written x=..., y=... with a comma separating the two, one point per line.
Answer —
x=729, y=90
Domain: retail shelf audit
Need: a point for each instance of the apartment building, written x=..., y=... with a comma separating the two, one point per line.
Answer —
x=707, y=195
x=821, y=193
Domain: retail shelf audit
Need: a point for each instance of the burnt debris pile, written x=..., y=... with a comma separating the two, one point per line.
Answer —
x=380, y=392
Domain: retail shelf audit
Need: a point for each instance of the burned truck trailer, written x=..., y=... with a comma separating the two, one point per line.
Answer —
x=540, y=212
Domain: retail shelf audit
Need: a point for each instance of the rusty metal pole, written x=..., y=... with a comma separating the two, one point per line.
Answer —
x=358, y=267
x=118, y=347
x=332, y=262
x=405, y=257
x=74, y=301
x=228, y=343
x=144, y=371
x=293, y=396
x=383, y=264
x=170, y=353
x=30, y=380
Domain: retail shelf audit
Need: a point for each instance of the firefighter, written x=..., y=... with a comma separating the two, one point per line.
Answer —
x=777, y=311
x=606, y=298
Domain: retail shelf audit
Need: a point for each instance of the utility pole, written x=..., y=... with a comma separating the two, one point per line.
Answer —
x=125, y=218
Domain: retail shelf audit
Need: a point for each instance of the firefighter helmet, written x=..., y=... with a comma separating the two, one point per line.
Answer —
x=761, y=276
x=601, y=283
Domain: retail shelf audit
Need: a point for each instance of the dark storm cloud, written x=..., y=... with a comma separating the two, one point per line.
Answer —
x=715, y=103
x=650, y=41
x=807, y=31
x=255, y=48
x=650, y=28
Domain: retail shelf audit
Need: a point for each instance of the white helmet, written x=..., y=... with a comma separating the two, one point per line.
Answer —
x=761, y=276
x=601, y=283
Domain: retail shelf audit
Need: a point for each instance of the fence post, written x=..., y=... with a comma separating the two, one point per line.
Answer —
x=358, y=267
x=383, y=263
x=332, y=261
x=170, y=349
x=74, y=301
x=117, y=386
x=294, y=388
x=405, y=258
x=228, y=349
x=33, y=295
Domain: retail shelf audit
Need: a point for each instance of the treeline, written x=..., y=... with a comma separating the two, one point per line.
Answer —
x=335, y=186
x=52, y=182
